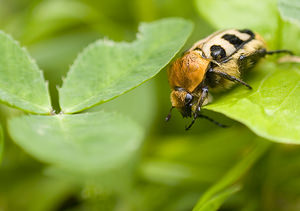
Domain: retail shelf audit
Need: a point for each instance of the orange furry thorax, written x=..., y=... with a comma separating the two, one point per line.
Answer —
x=188, y=71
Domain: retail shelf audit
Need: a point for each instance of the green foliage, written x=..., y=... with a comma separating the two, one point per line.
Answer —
x=94, y=160
x=181, y=160
x=88, y=142
x=290, y=10
x=195, y=162
x=106, y=69
x=46, y=193
x=217, y=194
x=21, y=82
x=1, y=143
x=216, y=201
x=51, y=16
x=261, y=16
x=271, y=108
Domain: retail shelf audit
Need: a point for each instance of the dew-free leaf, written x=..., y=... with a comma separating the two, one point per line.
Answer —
x=1, y=142
x=215, y=196
x=290, y=10
x=257, y=15
x=181, y=160
x=105, y=69
x=22, y=84
x=87, y=143
x=271, y=109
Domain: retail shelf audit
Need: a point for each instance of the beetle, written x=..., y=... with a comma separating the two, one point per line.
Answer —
x=214, y=63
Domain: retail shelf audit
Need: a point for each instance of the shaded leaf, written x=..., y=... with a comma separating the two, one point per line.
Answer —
x=271, y=109
x=123, y=104
x=88, y=142
x=22, y=84
x=39, y=193
x=105, y=69
x=215, y=202
x=49, y=17
x=290, y=10
x=1, y=143
x=182, y=160
x=213, y=198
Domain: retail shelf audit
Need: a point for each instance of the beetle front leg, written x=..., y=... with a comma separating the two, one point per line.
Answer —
x=229, y=77
x=204, y=95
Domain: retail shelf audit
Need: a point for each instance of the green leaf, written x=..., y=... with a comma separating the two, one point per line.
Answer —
x=50, y=17
x=290, y=36
x=124, y=105
x=290, y=10
x=22, y=84
x=87, y=143
x=181, y=160
x=216, y=201
x=39, y=192
x=213, y=198
x=1, y=143
x=105, y=69
x=258, y=15
x=271, y=109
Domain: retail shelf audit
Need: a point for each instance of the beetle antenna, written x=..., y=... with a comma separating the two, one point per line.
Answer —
x=168, y=117
x=212, y=120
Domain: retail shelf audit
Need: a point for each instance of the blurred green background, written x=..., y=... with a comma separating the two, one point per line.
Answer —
x=175, y=167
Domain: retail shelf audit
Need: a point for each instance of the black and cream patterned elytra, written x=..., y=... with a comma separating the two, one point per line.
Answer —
x=223, y=43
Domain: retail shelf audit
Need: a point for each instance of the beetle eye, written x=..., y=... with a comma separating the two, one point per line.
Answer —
x=188, y=98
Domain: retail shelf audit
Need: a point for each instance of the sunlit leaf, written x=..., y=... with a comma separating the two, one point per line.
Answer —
x=214, y=197
x=290, y=10
x=22, y=84
x=271, y=109
x=88, y=142
x=290, y=36
x=105, y=69
x=257, y=15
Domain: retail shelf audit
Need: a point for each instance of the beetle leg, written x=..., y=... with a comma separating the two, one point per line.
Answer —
x=212, y=120
x=226, y=59
x=207, y=118
x=204, y=94
x=229, y=77
x=191, y=124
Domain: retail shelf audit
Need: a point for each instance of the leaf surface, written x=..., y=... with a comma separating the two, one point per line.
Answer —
x=215, y=196
x=87, y=143
x=22, y=84
x=260, y=16
x=271, y=109
x=105, y=69
x=290, y=10
x=1, y=143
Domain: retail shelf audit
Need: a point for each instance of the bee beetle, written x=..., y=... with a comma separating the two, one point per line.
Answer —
x=215, y=63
